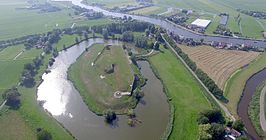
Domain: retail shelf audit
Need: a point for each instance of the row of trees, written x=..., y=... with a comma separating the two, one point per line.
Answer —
x=30, y=70
x=208, y=82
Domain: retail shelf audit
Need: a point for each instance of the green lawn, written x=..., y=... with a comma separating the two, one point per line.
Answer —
x=153, y=10
x=236, y=83
x=185, y=92
x=87, y=78
x=13, y=127
x=16, y=23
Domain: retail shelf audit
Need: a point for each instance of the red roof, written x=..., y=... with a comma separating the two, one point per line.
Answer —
x=264, y=33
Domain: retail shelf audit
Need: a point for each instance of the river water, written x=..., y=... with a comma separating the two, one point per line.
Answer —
x=173, y=28
x=64, y=102
x=248, y=92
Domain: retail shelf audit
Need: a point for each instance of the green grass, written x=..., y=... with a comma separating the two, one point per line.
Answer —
x=17, y=23
x=153, y=10
x=30, y=116
x=236, y=83
x=97, y=92
x=184, y=91
x=249, y=25
x=14, y=127
x=10, y=70
x=113, y=3
x=67, y=40
x=254, y=109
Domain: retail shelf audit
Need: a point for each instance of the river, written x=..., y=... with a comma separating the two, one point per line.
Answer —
x=173, y=28
x=248, y=92
x=65, y=104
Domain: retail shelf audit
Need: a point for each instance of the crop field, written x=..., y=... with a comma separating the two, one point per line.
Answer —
x=219, y=64
x=184, y=91
x=17, y=22
x=90, y=77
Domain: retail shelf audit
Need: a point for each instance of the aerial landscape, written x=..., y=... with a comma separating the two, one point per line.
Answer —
x=132, y=69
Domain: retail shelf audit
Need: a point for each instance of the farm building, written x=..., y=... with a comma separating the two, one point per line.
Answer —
x=202, y=23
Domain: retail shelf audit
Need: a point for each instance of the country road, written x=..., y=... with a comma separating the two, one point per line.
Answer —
x=262, y=111
x=228, y=114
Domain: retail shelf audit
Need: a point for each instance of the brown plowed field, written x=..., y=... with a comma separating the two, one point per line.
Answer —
x=219, y=64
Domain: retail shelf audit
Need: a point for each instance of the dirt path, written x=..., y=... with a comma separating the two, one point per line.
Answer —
x=228, y=114
x=2, y=105
x=18, y=55
x=262, y=113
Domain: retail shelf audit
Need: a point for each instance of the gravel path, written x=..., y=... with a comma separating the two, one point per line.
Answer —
x=262, y=113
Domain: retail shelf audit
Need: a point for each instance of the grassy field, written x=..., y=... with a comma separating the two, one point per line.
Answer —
x=11, y=69
x=153, y=10
x=98, y=92
x=14, y=127
x=254, y=109
x=249, y=25
x=16, y=23
x=236, y=83
x=219, y=64
x=113, y=3
x=186, y=94
x=22, y=124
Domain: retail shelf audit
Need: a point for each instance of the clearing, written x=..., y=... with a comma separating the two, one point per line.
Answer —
x=219, y=64
x=99, y=73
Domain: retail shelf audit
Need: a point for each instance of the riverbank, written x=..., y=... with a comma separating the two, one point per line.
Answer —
x=236, y=83
x=90, y=77
x=187, y=103
x=254, y=110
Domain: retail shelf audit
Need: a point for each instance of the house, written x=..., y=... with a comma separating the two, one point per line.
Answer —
x=231, y=134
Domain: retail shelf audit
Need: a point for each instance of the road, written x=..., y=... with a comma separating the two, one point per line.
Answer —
x=262, y=111
x=225, y=110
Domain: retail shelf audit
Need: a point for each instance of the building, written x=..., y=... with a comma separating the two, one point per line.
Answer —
x=202, y=23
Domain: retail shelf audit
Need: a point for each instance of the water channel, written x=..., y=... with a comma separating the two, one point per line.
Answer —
x=64, y=102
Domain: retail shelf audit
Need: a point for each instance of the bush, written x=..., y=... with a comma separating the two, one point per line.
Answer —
x=211, y=116
x=238, y=125
x=110, y=116
x=43, y=135
x=13, y=98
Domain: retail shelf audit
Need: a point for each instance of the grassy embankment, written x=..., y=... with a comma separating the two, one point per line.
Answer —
x=184, y=93
x=17, y=23
x=22, y=124
x=97, y=92
x=254, y=109
x=236, y=83
x=112, y=3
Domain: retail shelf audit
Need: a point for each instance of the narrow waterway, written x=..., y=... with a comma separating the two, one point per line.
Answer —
x=248, y=92
x=64, y=102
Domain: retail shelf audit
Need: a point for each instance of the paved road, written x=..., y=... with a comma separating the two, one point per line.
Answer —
x=228, y=114
x=262, y=113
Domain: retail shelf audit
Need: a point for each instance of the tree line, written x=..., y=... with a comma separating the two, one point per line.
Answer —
x=207, y=81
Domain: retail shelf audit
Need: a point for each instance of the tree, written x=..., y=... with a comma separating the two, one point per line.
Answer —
x=86, y=35
x=110, y=116
x=44, y=135
x=141, y=42
x=77, y=40
x=13, y=98
x=238, y=125
x=128, y=36
x=204, y=132
x=105, y=33
x=217, y=131
x=156, y=45
x=213, y=116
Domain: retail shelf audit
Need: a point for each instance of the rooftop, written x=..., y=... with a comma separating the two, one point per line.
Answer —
x=203, y=23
